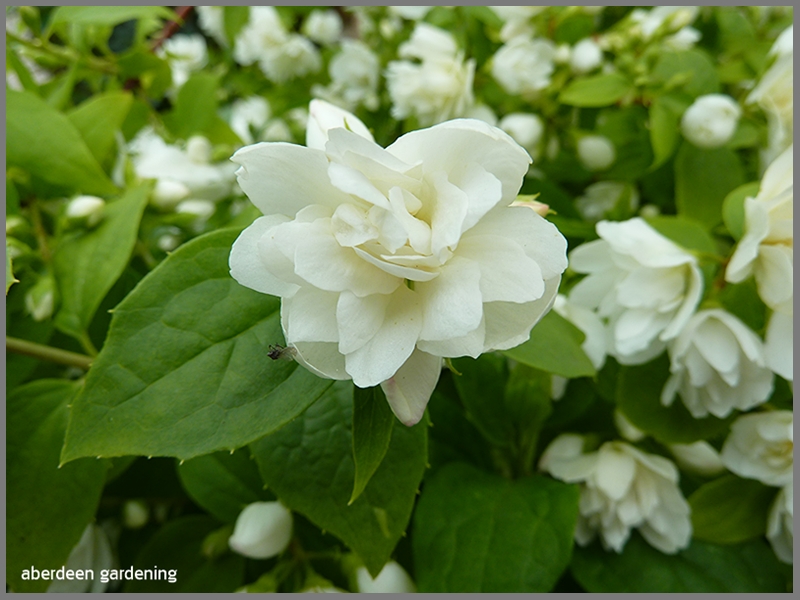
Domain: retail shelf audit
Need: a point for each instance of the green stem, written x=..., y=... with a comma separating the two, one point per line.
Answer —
x=42, y=352
x=67, y=55
x=39, y=231
x=87, y=344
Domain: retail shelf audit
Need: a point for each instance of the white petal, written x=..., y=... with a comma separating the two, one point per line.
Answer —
x=451, y=303
x=591, y=257
x=321, y=358
x=775, y=274
x=448, y=211
x=411, y=387
x=399, y=271
x=311, y=316
x=483, y=191
x=351, y=227
x=246, y=266
x=359, y=319
x=647, y=287
x=779, y=345
x=323, y=116
x=615, y=472
x=692, y=296
x=508, y=325
x=471, y=344
x=350, y=181
x=717, y=344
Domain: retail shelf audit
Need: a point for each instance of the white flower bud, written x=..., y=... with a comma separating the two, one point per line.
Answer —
x=760, y=446
x=699, y=457
x=392, y=579
x=526, y=129
x=168, y=242
x=40, y=299
x=481, y=112
x=135, y=514
x=596, y=152
x=86, y=209
x=586, y=56
x=648, y=211
x=198, y=149
x=202, y=209
x=168, y=192
x=780, y=524
x=563, y=54
x=92, y=552
x=323, y=26
x=262, y=530
x=711, y=121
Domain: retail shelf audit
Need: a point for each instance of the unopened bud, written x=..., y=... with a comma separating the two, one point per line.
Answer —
x=262, y=530
x=168, y=192
x=586, y=56
x=596, y=152
x=135, y=514
x=202, y=209
x=198, y=149
x=392, y=579
x=86, y=210
x=41, y=298
x=711, y=121
x=526, y=129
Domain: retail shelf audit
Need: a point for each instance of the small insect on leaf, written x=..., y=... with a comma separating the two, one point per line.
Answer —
x=278, y=352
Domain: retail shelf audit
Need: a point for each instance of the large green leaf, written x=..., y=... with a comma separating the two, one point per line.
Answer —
x=692, y=71
x=703, y=178
x=639, y=398
x=48, y=506
x=223, y=483
x=196, y=111
x=478, y=532
x=87, y=263
x=178, y=546
x=309, y=465
x=599, y=90
x=730, y=510
x=106, y=15
x=372, y=431
x=555, y=347
x=185, y=369
x=703, y=567
x=99, y=118
x=44, y=142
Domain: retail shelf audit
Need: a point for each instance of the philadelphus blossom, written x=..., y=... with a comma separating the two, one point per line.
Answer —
x=780, y=524
x=527, y=130
x=523, y=65
x=249, y=115
x=185, y=55
x=388, y=259
x=717, y=365
x=711, y=120
x=517, y=20
x=392, y=579
x=779, y=345
x=663, y=19
x=354, y=72
x=323, y=26
x=596, y=152
x=586, y=56
x=262, y=530
x=436, y=89
x=622, y=488
x=645, y=285
x=760, y=446
x=212, y=21
x=86, y=209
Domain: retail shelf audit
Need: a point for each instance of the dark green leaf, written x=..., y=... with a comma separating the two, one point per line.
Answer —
x=480, y=387
x=47, y=507
x=309, y=465
x=599, y=90
x=372, y=431
x=733, y=208
x=478, y=532
x=99, y=118
x=185, y=371
x=87, y=263
x=730, y=510
x=703, y=567
x=742, y=300
x=223, y=483
x=555, y=347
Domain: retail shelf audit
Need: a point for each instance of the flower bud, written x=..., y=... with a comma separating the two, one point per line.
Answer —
x=40, y=299
x=711, y=121
x=168, y=192
x=198, y=149
x=86, y=210
x=586, y=56
x=526, y=129
x=202, y=209
x=392, y=579
x=563, y=54
x=135, y=514
x=602, y=198
x=596, y=152
x=262, y=530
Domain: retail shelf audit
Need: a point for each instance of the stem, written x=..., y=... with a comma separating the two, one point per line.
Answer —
x=67, y=55
x=42, y=352
x=39, y=231
x=87, y=344
x=172, y=26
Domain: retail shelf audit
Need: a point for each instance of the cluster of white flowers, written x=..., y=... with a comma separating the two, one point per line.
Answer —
x=523, y=65
x=185, y=54
x=354, y=73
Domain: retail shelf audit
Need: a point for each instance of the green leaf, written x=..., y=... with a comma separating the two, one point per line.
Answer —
x=480, y=387
x=223, y=483
x=236, y=18
x=733, y=208
x=372, y=431
x=691, y=71
x=639, y=398
x=688, y=234
x=10, y=279
x=665, y=115
x=196, y=111
x=742, y=299
x=184, y=370
x=44, y=142
x=48, y=506
x=99, y=118
x=106, y=15
x=178, y=546
x=599, y=90
x=478, y=532
x=701, y=568
x=555, y=347
x=309, y=465
x=87, y=263
x=730, y=510
x=702, y=180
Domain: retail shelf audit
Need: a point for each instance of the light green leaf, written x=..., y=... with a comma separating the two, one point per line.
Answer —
x=196, y=111
x=99, y=118
x=701, y=568
x=742, y=300
x=236, y=18
x=730, y=510
x=599, y=90
x=478, y=532
x=702, y=180
x=44, y=142
x=87, y=263
x=688, y=234
x=106, y=15
x=178, y=546
x=665, y=115
x=691, y=71
x=555, y=347
x=48, y=506
x=223, y=483
x=309, y=465
x=184, y=370
x=639, y=398
x=733, y=208
x=372, y=431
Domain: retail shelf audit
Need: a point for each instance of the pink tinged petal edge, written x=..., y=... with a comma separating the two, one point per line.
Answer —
x=409, y=390
x=245, y=264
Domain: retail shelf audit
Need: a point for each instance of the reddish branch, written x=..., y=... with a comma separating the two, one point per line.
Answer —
x=172, y=26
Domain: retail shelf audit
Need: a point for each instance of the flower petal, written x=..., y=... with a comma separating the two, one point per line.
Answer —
x=508, y=325
x=779, y=345
x=359, y=319
x=324, y=116
x=311, y=316
x=451, y=303
x=471, y=344
x=411, y=387
x=246, y=266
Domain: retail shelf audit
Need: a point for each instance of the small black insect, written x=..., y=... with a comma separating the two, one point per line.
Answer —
x=278, y=352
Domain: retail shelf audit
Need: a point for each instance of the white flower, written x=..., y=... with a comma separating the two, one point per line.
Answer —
x=664, y=19
x=780, y=524
x=412, y=13
x=779, y=345
x=201, y=209
x=392, y=579
x=212, y=21
x=388, y=259
x=517, y=20
x=586, y=56
x=527, y=129
x=262, y=530
x=684, y=39
x=596, y=152
x=185, y=54
x=595, y=344
x=482, y=113
x=645, y=285
x=354, y=73
x=92, y=552
x=86, y=209
x=699, y=457
x=323, y=26
x=760, y=446
x=601, y=198
x=436, y=89
x=766, y=248
x=523, y=65
x=622, y=488
x=717, y=365
x=711, y=120
x=168, y=192
x=248, y=115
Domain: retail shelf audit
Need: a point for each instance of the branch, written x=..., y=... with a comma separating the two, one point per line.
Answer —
x=56, y=355
x=172, y=26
